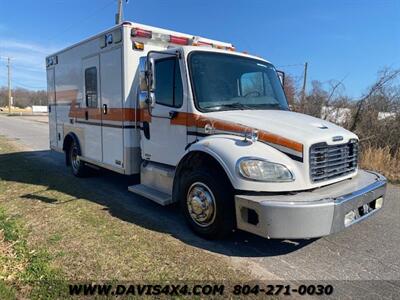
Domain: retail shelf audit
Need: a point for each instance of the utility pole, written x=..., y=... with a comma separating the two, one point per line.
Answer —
x=303, y=90
x=9, y=84
x=118, y=15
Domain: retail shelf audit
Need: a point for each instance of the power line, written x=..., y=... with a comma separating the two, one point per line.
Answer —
x=85, y=19
x=31, y=68
x=17, y=83
x=293, y=65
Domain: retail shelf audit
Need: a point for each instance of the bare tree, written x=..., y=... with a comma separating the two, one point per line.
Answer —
x=385, y=77
x=23, y=97
x=290, y=90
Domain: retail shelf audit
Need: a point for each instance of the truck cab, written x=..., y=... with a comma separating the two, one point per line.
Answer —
x=210, y=128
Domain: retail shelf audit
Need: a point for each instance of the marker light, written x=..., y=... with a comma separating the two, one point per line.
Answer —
x=200, y=43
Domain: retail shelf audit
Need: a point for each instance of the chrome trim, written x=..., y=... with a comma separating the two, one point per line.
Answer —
x=331, y=161
x=313, y=218
x=201, y=204
x=94, y=162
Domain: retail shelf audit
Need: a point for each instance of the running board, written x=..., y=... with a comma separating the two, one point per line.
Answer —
x=151, y=193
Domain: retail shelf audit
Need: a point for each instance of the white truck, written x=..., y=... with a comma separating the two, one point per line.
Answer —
x=207, y=127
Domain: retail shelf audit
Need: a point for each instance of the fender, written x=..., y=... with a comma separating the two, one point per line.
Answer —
x=68, y=139
x=228, y=149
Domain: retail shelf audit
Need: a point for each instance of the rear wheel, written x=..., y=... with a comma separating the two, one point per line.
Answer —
x=78, y=167
x=207, y=202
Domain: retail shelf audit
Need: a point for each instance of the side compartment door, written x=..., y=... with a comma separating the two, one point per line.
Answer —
x=91, y=122
x=51, y=96
x=112, y=107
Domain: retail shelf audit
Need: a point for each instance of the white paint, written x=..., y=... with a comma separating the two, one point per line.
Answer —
x=118, y=81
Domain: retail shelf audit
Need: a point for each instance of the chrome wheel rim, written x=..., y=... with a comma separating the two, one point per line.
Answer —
x=75, y=161
x=201, y=204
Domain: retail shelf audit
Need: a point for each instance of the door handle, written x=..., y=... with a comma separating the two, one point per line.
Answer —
x=105, y=110
x=173, y=114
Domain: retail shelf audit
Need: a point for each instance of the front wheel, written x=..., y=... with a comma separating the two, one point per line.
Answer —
x=207, y=202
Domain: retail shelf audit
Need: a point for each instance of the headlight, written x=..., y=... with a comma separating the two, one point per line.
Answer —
x=261, y=170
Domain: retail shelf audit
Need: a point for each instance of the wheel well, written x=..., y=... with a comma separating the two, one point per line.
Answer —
x=68, y=140
x=195, y=160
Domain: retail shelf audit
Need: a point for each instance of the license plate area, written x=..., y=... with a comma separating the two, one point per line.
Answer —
x=362, y=211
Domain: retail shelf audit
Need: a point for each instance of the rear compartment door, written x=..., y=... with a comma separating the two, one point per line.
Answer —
x=51, y=96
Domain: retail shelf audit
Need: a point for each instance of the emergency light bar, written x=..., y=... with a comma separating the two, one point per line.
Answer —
x=141, y=33
x=179, y=40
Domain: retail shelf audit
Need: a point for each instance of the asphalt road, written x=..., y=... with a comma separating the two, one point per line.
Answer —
x=369, y=250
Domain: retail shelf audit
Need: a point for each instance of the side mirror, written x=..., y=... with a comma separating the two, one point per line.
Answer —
x=281, y=76
x=145, y=80
x=143, y=87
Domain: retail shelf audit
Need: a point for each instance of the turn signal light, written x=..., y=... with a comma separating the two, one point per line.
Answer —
x=138, y=45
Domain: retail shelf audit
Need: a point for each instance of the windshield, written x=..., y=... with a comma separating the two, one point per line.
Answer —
x=226, y=82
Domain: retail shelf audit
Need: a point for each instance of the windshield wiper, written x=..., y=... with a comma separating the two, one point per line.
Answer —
x=237, y=105
x=270, y=105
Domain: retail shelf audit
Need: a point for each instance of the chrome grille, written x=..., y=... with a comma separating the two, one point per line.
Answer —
x=332, y=161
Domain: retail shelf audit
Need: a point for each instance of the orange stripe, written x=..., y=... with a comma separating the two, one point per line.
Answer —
x=182, y=119
x=66, y=96
x=199, y=121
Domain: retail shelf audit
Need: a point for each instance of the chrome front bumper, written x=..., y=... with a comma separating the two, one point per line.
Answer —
x=311, y=213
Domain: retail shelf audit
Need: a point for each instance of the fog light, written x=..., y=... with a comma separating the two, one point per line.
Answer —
x=349, y=218
x=379, y=203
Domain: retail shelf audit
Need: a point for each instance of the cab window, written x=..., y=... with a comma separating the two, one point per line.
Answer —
x=252, y=83
x=168, y=82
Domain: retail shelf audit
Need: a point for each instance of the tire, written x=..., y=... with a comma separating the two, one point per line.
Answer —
x=79, y=169
x=206, y=200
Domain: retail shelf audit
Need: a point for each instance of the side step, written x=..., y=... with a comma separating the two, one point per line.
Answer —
x=153, y=194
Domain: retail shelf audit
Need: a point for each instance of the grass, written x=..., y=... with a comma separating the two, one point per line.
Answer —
x=383, y=161
x=22, y=270
x=61, y=230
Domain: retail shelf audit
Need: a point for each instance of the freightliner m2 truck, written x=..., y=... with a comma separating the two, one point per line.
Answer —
x=209, y=128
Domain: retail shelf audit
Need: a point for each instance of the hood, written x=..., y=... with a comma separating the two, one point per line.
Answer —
x=298, y=127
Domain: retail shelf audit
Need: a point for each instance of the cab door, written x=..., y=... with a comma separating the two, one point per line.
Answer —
x=166, y=139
